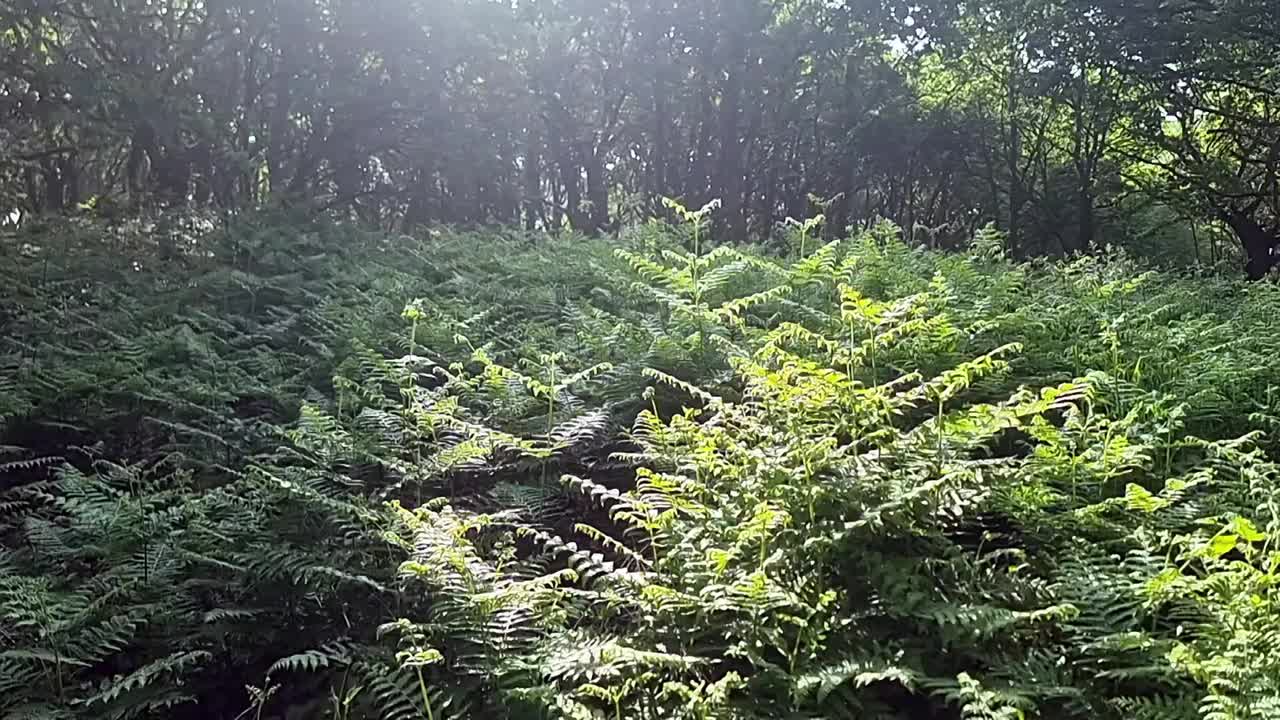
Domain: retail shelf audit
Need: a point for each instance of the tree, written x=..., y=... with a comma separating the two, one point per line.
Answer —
x=941, y=115
x=1208, y=132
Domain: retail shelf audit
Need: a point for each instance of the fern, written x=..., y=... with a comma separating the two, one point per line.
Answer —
x=668, y=479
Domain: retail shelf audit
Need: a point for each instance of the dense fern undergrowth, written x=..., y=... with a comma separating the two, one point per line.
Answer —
x=302, y=470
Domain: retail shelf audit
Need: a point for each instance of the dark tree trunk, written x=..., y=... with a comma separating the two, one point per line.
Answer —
x=142, y=154
x=570, y=178
x=909, y=210
x=597, y=189
x=661, y=121
x=848, y=167
x=1014, y=152
x=697, y=183
x=35, y=198
x=935, y=207
x=174, y=177
x=279, y=134
x=557, y=206
x=202, y=177
x=418, y=211
x=769, y=201
x=532, y=181
x=1084, y=221
x=1258, y=244
x=53, y=190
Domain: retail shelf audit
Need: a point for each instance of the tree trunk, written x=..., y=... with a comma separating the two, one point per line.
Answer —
x=661, y=173
x=1014, y=152
x=597, y=189
x=729, y=172
x=697, y=181
x=848, y=167
x=417, y=213
x=557, y=206
x=661, y=121
x=570, y=177
x=53, y=189
x=278, y=124
x=769, y=200
x=1258, y=244
x=532, y=181
x=1084, y=220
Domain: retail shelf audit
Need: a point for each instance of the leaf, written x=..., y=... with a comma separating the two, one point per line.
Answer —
x=1140, y=499
x=1221, y=545
x=1246, y=530
x=420, y=657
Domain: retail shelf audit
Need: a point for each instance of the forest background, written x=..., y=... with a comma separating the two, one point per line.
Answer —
x=1141, y=123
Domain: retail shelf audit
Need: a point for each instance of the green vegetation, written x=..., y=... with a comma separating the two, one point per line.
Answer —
x=1071, y=124
x=639, y=359
x=304, y=470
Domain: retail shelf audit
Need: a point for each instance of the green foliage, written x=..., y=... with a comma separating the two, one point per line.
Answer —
x=484, y=476
x=1068, y=124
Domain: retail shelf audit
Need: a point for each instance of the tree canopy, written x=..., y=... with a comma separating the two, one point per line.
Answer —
x=1061, y=121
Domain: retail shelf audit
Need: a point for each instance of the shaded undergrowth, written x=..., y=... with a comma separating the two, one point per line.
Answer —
x=304, y=470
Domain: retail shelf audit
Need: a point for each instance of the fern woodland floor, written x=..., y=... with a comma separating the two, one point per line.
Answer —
x=306, y=471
